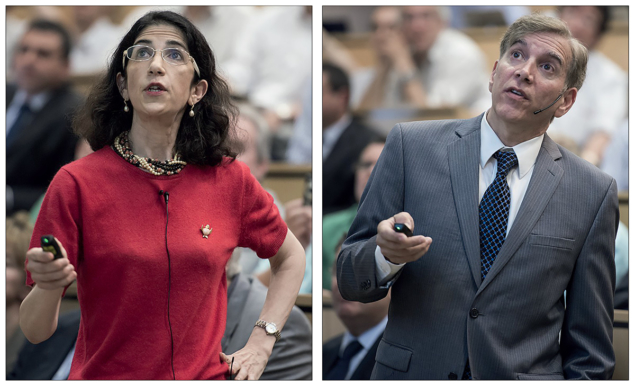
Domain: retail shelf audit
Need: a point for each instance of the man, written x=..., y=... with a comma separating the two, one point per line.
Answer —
x=351, y=356
x=291, y=356
x=478, y=290
x=39, y=108
x=423, y=64
x=344, y=138
x=336, y=225
x=602, y=104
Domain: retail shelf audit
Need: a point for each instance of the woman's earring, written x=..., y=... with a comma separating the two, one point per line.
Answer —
x=125, y=106
x=192, y=111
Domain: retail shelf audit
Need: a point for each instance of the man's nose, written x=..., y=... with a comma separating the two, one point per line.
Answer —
x=525, y=71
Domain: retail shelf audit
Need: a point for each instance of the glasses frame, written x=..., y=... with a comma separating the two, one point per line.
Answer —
x=154, y=51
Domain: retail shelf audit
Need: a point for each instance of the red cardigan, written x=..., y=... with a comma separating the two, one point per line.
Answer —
x=109, y=216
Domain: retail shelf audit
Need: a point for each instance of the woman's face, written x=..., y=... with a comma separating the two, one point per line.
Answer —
x=155, y=87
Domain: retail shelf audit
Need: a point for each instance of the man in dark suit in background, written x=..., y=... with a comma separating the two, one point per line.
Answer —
x=39, y=109
x=478, y=291
x=351, y=356
x=344, y=138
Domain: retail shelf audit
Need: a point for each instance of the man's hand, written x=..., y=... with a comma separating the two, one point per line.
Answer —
x=49, y=273
x=397, y=247
x=299, y=220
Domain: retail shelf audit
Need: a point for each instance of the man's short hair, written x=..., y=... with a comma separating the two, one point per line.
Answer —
x=538, y=23
x=52, y=26
x=263, y=144
x=338, y=79
x=604, y=11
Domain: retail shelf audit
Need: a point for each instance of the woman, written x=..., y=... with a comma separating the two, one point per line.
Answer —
x=148, y=222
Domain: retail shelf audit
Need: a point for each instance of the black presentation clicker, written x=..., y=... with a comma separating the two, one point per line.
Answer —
x=50, y=244
x=402, y=228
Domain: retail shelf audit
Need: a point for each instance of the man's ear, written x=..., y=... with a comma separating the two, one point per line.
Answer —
x=121, y=85
x=491, y=77
x=198, y=91
x=568, y=98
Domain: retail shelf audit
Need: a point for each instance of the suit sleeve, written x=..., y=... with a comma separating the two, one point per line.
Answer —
x=587, y=331
x=383, y=197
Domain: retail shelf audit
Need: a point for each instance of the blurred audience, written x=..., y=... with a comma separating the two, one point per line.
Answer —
x=269, y=66
x=343, y=139
x=51, y=359
x=291, y=356
x=466, y=16
x=299, y=150
x=422, y=63
x=39, y=108
x=601, y=104
x=336, y=225
x=351, y=356
x=96, y=40
x=254, y=136
x=18, y=234
x=615, y=159
x=221, y=26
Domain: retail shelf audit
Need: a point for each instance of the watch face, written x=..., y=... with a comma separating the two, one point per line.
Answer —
x=270, y=329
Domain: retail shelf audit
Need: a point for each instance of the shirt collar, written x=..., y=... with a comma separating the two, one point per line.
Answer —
x=36, y=102
x=367, y=338
x=526, y=152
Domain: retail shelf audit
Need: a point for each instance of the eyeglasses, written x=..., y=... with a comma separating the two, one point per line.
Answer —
x=173, y=55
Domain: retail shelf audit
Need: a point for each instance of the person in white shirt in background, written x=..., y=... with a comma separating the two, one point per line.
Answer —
x=602, y=104
x=96, y=37
x=422, y=63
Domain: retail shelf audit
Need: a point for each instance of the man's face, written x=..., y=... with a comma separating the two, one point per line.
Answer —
x=584, y=24
x=39, y=65
x=334, y=103
x=530, y=76
x=352, y=312
x=421, y=26
x=386, y=21
x=250, y=136
x=365, y=166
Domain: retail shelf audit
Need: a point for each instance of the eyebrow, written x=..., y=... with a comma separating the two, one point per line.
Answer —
x=169, y=42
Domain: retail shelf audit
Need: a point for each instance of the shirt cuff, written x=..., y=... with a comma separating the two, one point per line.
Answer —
x=386, y=270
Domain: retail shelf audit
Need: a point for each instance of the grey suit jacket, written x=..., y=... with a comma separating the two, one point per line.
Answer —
x=291, y=356
x=563, y=238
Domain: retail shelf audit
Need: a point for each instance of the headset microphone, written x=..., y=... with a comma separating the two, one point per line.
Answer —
x=549, y=106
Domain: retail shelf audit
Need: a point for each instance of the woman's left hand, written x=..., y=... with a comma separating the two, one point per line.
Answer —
x=249, y=362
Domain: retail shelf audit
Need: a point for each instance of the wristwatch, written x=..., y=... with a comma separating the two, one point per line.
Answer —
x=270, y=328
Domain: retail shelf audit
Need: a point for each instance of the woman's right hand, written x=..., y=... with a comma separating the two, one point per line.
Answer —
x=49, y=273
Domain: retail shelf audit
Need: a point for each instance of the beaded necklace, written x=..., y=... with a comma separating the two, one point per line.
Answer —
x=155, y=167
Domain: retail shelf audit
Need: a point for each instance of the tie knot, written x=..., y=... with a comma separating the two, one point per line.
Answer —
x=351, y=349
x=506, y=161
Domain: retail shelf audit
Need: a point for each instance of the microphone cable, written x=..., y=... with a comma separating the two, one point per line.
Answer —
x=167, y=219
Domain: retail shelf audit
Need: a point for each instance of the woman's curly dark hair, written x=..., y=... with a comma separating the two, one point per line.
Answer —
x=203, y=139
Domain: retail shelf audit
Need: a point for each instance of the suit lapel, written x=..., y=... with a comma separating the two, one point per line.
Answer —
x=463, y=157
x=235, y=305
x=544, y=180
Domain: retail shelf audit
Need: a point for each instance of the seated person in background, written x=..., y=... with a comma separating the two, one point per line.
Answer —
x=615, y=159
x=254, y=136
x=291, y=355
x=601, y=105
x=351, y=356
x=51, y=359
x=421, y=63
x=97, y=36
x=344, y=138
x=18, y=233
x=336, y=225
x=39, y=109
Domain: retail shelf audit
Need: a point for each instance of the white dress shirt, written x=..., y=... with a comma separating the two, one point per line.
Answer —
x=332, y=133
x=454, y=74
x=517, y=179
x=366, y=339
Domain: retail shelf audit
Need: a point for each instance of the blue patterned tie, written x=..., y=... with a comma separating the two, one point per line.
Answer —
x=339, y=371
x=23, y=118
x=493, y=217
